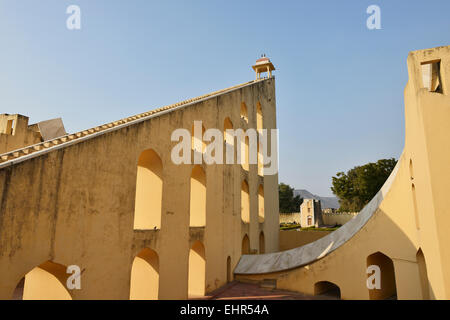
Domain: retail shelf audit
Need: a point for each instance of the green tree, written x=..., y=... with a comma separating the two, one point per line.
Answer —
x=359, y=185
x=288, y=203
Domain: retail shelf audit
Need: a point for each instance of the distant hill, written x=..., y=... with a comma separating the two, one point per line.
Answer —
x=326, y=202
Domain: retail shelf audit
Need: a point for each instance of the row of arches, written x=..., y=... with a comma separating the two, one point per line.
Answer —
x=149, y=191
x=145, y=273
x=384, y=287
x=232, y=139
x=245, y=203
x=199, y=147
x=145, y=270
x=259, y=126
x=259, y=114
x=144, y=282
x=246, y=244
x=48, y=281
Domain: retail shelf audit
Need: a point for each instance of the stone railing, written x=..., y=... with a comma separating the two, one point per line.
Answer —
x=22, y=154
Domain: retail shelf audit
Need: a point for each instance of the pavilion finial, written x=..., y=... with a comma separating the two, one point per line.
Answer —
x=262, y=65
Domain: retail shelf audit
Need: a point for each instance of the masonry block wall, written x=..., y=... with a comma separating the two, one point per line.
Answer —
x=75, y=205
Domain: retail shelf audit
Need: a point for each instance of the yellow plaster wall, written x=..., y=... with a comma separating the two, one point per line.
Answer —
x=75, y=205
x=403, y=222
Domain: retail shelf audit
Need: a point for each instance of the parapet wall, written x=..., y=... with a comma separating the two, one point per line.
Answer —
x=290, y=239
x=290, y=217
x=331, y=219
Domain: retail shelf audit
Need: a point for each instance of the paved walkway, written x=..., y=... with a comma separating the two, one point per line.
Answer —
x=246, y=291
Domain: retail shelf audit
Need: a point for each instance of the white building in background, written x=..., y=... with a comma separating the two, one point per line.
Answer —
x=311, y=213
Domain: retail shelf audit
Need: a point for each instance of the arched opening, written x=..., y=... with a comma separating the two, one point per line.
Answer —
x=261, y=204
x=47, y=281
x=328, y=289
x=149, y=185
x=245, y=245
x=245, y=159
x=245, y=202
x=197, y=269
x=262, y=243
x=229, y=142
x=244, y=113
x=197, y=213
x=229, y=272
x=387, y=287
x=423, y=275
x=259, y=117
x=144, y=283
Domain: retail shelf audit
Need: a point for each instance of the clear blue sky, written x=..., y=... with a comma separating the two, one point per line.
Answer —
x=339, y=85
